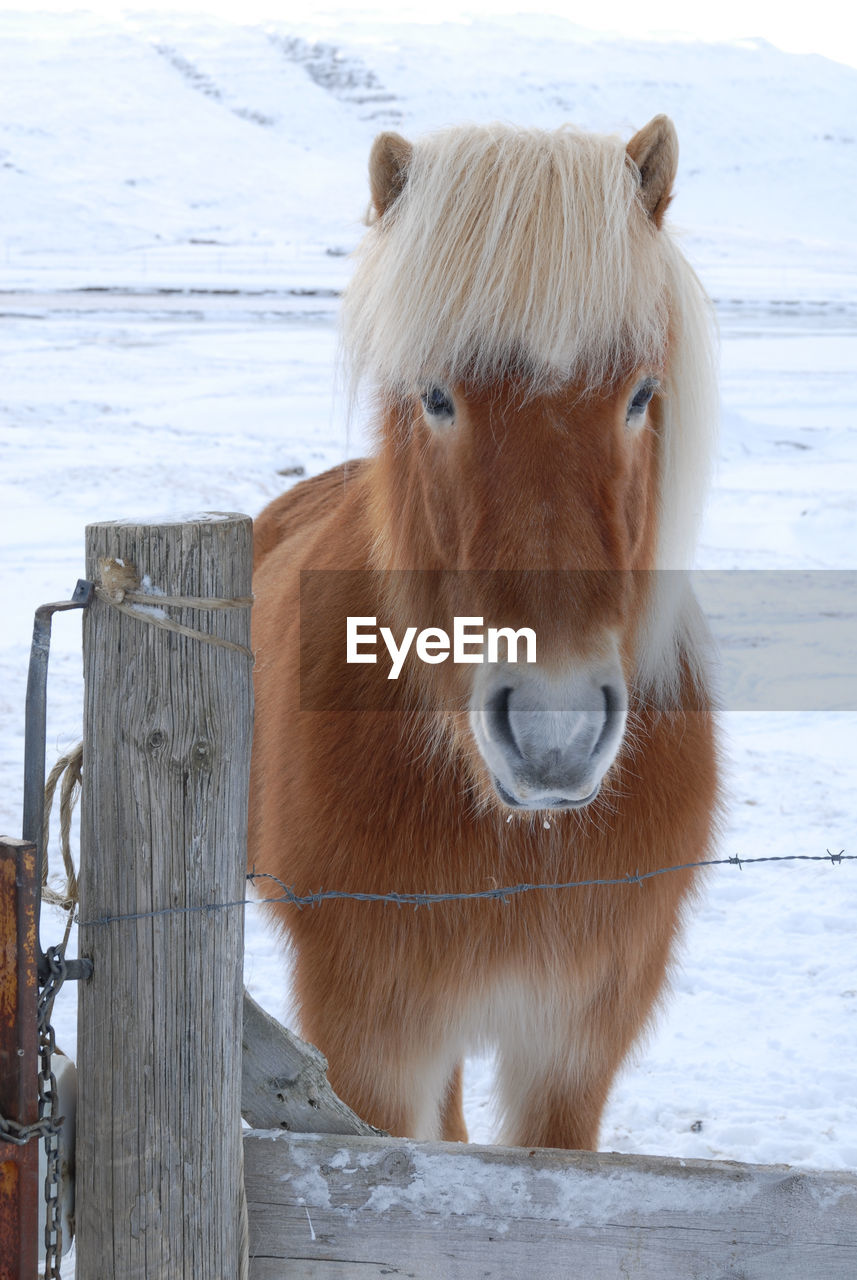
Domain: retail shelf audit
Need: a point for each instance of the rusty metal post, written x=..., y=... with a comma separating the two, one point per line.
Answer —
x=19, y=1165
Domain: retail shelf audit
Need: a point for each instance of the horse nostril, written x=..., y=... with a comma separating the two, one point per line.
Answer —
x=498, y=720
x=613, y=710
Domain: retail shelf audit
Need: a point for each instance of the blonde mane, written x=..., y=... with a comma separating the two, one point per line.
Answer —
x=508, y=245
x=528, y=252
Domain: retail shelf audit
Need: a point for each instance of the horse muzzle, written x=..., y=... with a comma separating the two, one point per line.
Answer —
x=548, y=740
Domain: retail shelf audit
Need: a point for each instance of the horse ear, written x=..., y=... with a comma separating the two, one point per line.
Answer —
x=654, y=150
x=388, y=169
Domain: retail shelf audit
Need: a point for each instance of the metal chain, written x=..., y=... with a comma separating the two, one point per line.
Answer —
x=49, y=1123
x=49, y=1118
x=21, y=1134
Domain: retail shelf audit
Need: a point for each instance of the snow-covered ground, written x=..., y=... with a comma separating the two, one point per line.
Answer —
x=179, y=196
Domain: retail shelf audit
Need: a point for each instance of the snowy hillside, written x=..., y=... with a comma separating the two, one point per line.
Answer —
x=160, y=150
x=203, y=183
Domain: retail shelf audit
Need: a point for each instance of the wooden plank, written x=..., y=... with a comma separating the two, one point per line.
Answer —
x=284, y=1083
x=19, y=1099
x=167, y=727
x=326, y=1208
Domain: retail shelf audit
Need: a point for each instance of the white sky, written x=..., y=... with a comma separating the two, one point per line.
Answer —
x=828, y=27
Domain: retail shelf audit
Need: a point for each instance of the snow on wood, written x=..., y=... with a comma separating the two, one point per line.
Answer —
x=332, y=1208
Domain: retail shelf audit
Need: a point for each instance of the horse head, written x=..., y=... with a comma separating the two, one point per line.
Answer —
x=523, y=313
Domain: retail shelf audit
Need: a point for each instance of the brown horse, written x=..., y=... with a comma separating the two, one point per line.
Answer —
x=541, y=358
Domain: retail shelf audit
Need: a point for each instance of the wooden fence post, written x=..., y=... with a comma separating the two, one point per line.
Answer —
x=19, y=1165
x=167, y=732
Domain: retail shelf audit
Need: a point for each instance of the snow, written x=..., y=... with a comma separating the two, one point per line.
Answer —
x=180, y=194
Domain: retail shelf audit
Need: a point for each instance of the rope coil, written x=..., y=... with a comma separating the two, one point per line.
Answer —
x=68, y=773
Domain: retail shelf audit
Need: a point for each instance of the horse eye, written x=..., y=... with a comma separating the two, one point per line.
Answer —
x=640, y=399
x=438, y=406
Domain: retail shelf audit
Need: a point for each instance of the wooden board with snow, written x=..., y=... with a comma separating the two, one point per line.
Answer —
x=331, y=1208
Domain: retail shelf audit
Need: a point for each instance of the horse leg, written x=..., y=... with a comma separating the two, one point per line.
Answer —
x=396, y=1073
x=384, y=1081
x=547, y=1104
x=453, y=1127
x=559, y=1053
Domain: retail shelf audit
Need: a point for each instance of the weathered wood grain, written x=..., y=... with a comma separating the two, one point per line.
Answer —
x=326, y=1208
x=167, y=730
x=284, y=1083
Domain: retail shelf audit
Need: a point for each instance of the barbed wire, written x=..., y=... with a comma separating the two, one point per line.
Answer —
x=416, y=900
